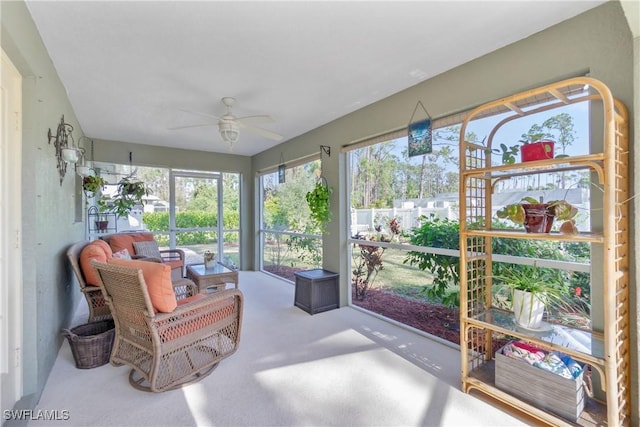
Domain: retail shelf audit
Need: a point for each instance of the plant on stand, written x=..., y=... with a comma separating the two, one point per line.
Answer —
x=538, y=217
x=536, y=146
x=531, y=289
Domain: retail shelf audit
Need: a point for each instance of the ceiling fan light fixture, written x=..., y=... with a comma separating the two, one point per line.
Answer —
x=229, y=131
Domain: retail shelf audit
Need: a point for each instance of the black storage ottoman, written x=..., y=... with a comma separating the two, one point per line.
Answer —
x=316, y=290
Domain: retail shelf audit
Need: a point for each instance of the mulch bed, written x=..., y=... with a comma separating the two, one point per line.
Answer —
x=435, y=319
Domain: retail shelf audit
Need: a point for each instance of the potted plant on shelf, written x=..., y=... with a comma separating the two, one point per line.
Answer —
x=536, y=147
x=101, y=209
x=531, y=289
x=129, y=194
x=538, y=217
x=318, y=201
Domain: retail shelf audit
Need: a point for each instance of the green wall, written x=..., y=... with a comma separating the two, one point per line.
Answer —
x=48, y=208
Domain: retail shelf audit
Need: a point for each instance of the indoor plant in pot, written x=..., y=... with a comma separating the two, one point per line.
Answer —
x=536, y=148
x=104, y=207
x=537, y=216
x=531, y=289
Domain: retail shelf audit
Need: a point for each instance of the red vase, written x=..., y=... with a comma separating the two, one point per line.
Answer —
x=538, y=150
x=101, y=226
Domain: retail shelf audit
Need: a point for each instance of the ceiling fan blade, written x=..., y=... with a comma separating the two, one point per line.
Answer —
x=192, y=126
x=263, y=132
x=211, y=116
x=263, y=118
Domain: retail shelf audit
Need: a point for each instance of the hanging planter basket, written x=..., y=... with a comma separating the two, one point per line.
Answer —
x=92, y=185
x=318, y=201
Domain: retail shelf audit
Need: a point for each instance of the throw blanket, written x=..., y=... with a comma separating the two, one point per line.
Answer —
x=555, y=362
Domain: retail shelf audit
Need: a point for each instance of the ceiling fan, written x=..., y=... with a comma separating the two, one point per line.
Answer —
x=229, y=125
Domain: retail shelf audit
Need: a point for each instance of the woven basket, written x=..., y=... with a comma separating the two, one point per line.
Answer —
x=91, y=343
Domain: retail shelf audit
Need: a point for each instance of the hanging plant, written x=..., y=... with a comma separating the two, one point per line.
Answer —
x=318, y=201
x=92, y=185
x=130, y=194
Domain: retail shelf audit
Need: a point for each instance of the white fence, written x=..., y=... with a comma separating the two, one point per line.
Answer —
x=368, y=220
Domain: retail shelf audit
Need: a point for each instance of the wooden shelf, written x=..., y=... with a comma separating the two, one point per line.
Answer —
x=585, y=346
x=518, y=234
x=607, y=353
x=557, y=165
x=483, y=379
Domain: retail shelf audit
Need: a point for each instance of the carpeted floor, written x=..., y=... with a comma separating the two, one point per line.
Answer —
x=337, y=368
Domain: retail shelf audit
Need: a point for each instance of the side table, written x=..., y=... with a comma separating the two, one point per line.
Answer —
x=316, y=290
x=211, y=279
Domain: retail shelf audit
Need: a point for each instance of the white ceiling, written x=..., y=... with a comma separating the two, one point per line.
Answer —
x=131, y=67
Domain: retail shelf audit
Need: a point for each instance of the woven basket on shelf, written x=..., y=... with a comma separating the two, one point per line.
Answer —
x=91, y=343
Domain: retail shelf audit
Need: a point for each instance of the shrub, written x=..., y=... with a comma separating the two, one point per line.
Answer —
x=437, y=233
x=445, y=233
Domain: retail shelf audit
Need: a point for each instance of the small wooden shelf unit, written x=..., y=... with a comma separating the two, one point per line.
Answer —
x=606, y=352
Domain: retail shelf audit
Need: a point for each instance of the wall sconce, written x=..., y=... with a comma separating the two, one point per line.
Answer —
x=61, y=143
x=83, y=169
x=71, y=155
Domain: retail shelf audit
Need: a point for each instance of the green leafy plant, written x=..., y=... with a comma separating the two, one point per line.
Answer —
x=438, y=233
x=318, y=201
x=308, y=250
x=508, y=153
x=547, y=285
x=129, y=194
x=93, y=184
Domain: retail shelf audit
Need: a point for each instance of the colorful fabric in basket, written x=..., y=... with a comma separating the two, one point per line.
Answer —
x=555, y=362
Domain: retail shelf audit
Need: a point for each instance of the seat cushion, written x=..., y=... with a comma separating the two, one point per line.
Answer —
x=157, y=276
x=208, y=315
x=98, y=250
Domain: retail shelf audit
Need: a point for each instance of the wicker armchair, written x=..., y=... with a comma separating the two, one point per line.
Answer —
x=168, y=350
x=98, y=308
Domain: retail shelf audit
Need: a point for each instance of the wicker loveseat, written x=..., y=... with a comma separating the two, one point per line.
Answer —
x=167, y=343
x=80, y=255
x=142, y=244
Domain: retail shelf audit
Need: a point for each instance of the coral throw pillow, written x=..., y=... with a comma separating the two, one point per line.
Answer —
x=98, y=250
x=157, y=276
